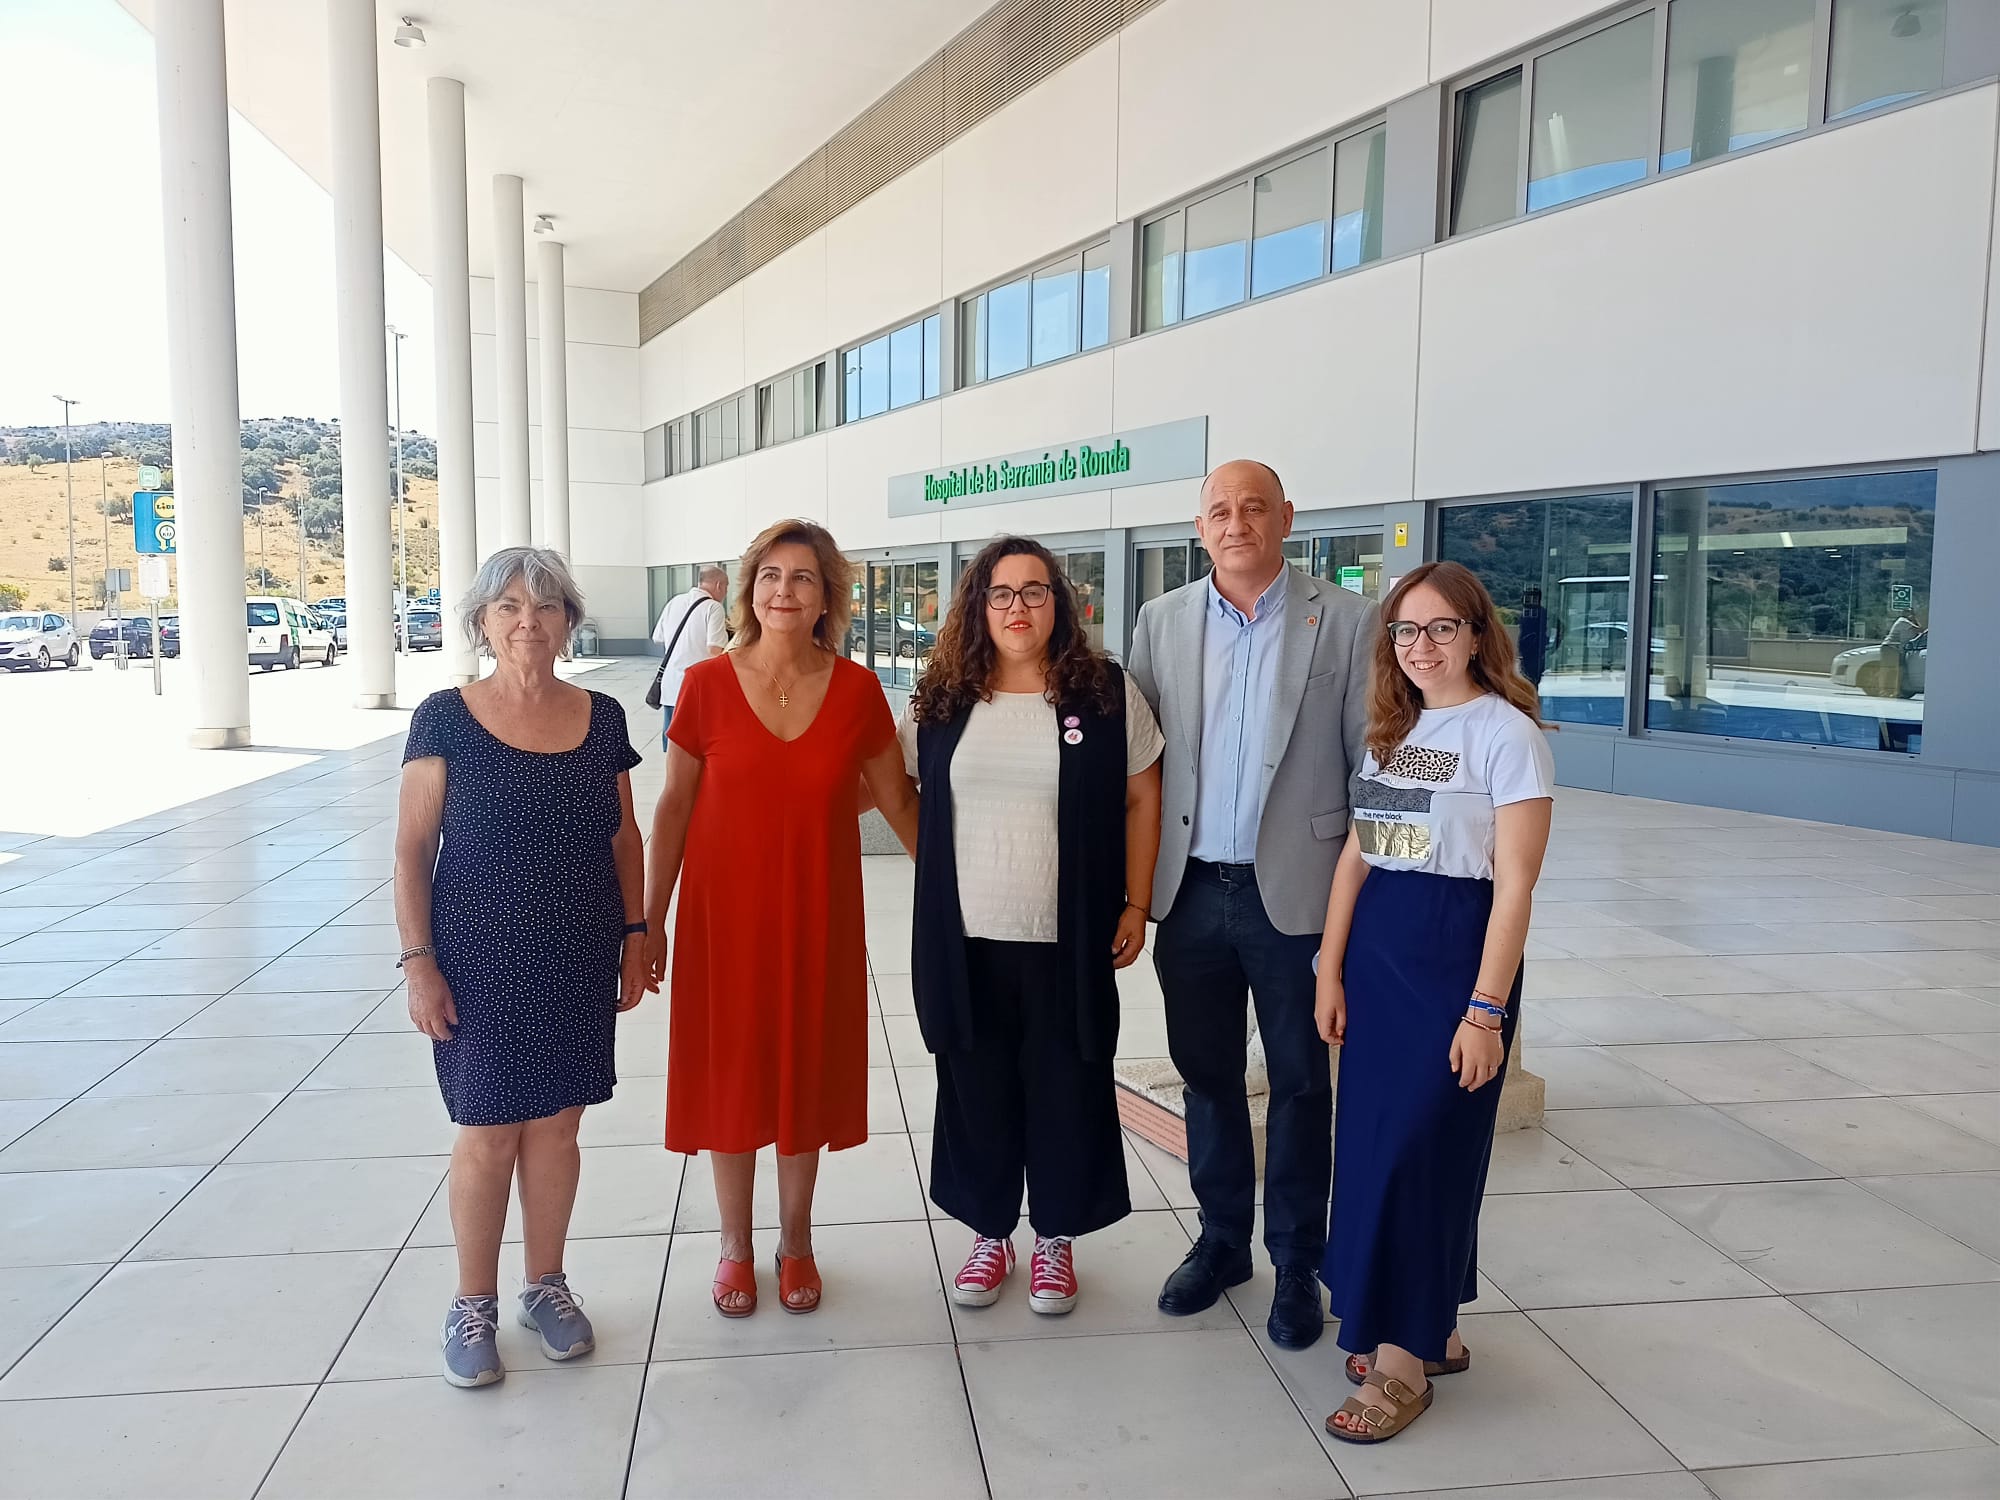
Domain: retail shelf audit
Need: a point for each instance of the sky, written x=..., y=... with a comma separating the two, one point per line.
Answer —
x=82, y=261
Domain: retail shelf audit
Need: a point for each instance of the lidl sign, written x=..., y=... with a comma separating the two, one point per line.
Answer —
x=1143, y=455
x=154, y=529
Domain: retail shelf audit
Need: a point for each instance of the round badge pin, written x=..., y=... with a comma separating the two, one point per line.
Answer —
x=1072, y=736
x=1071, y=722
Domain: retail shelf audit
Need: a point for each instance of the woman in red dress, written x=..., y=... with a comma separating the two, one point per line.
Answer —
x=766, y=760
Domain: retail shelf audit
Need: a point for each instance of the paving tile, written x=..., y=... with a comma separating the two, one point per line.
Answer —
x=1922, y=1334
x=873, y=1182
x=1695, y=976
x=1742, y=1072
x=329, y=1013
x=1914, y=1011
x=347, y=942
x=284, y=1208
x=1821, y=1236
x=1522, y=1414
x=119, y=1018
x=39, y=981
x=186, y=1325
x=59, y=1218
x=1901, y=1064
x=1678, y=1485
x=1635, y=1019
x=1724, y=1383
x=1965, y=1205
x=1965, y=1474
x=635, y=1116
x=124, y=916
x=1673, y=1145
x=401, y=1059
x=1775, y=1017
x=1975, y=1114
x=1865, y=1137
x=325, y=1125
x=169, y=976
x=19, y=1116
x=421, y=1437
x=32, y=1300
x=182, y=1445
x=623, y=1191
x=617, y=1280
x=217, y=1065
x=642, y=1045
x=1564, y=978
x=224, y=942
x=289, y=976
x=1598, y=1078
x=148, y=1130
x=1533, y=1161
x=77, y=947
x=1147, y=1414
x=1569, y=1249
x=264, y=914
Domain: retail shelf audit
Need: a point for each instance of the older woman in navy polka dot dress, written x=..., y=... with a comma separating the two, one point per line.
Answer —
x=521, y=938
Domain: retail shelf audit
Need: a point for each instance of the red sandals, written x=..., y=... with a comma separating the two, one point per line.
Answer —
x=797, y=1274
x=738, y=1277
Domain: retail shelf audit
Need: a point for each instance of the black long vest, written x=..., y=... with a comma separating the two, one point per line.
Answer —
x=1090, y=878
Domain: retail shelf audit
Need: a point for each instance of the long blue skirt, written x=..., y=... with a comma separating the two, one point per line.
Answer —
x=1410, y=1147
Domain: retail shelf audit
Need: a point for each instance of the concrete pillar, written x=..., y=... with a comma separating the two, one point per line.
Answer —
x=451, y=336
x=359, y=321
x=553, y=328
x=510, y=324
x=201, y=357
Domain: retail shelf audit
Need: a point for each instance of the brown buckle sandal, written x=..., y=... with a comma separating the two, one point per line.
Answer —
x=1357, y=1367
x=1398, y=1408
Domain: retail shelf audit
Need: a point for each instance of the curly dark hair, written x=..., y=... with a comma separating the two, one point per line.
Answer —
x=961, y=668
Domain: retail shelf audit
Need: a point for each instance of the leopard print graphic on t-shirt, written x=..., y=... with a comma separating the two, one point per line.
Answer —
x=1416, y=764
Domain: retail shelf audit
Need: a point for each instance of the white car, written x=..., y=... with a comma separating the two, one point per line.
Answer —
x=282, y=632
x=35, y=640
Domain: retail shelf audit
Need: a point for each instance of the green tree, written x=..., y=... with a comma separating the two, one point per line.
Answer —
x=58, y=565
x=12, y=596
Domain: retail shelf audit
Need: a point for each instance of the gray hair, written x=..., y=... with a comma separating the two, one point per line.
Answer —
x=710, y=573
x=548, y=579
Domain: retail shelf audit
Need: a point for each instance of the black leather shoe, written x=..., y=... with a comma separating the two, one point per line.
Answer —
x=1209, y=1267
x=1297, y=1315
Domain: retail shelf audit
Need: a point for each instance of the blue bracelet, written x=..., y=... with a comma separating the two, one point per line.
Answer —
x=1494, y=1010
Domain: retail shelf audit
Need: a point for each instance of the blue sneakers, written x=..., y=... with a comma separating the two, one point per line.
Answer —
x=471, y=1357
x=554, y=1312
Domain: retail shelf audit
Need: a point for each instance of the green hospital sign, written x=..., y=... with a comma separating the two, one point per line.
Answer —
x=1145, y=455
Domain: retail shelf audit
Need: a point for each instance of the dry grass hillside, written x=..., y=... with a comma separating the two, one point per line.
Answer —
x=34, y=535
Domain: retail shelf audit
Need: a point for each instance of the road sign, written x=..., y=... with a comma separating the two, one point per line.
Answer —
x=1902, y=595
x=153, y=528
x=117, y=580
x=149, y=476
x=153, y=582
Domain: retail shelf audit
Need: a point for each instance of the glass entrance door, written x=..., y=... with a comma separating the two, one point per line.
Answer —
x=1352, y=560
x=895, y=620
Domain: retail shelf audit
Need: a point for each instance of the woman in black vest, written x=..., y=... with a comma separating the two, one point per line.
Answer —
x=1038, y=765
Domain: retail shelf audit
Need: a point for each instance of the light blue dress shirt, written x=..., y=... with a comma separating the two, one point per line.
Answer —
x=1239, y=677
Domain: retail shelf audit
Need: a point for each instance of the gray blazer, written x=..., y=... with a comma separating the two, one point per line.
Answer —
x=1317, y=725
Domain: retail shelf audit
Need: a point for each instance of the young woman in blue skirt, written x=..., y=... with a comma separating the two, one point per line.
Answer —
x=1420, y=982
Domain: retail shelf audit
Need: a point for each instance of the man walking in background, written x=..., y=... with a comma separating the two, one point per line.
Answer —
x=1259, y=675
x=691, y=628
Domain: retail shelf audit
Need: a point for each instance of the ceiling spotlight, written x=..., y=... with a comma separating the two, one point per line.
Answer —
x=1907, y=24
x=544, y=224
x=409, y=34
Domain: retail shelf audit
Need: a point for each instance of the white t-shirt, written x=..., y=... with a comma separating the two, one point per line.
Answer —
x=1431, y=808
x=1003, y=808
x=696, y=641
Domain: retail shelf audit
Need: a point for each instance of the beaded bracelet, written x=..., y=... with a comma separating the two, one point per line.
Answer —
x=1475, y=1003
x=418, y=952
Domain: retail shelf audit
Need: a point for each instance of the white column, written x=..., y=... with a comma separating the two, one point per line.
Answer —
x=451, y=337
x=201, y=359
x=359, y=321
x=510, y=322
x=554, y=331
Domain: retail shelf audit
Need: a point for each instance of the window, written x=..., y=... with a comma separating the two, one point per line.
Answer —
x=1085, y=570
x=1883, y=52
x=1739, y=73
x=1560, y=573
x=1160, y=272
x=656, y=452
x=898, y=369
x=895, y=622
x=721, y=431
x=1485, y=174
x=1358, y=176
x=1592, y=114
x=1352, y=561
x=1288, y=238
x=1097, y=296
x=1794, y=610
x=682, y=457
x=788, y=407
x=1057, y=311
x=1163, y=567
x=1006, y=329
x=1217, y=251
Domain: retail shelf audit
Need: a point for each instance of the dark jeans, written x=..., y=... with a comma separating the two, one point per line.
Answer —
x=1215, y=950
x=666, y=723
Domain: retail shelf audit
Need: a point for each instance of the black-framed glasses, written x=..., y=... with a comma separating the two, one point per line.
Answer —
x=1033, y=595
x=1405, y=632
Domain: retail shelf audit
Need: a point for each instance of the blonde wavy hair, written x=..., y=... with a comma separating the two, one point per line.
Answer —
x=836, y=579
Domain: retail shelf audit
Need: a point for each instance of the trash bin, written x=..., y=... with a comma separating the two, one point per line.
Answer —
x=584, y=643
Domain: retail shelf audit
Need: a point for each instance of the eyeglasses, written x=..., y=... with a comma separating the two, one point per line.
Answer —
x=1405, y=632
x=1033, y=595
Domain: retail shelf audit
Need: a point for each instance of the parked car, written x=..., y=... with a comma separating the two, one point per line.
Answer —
x=893, y=636
x=1890, y=670
x=282, y=632
x=333, y=602
x=36, y=640
x=335, y=620
x=136, y=629
x=170, y=636
x=425, y=628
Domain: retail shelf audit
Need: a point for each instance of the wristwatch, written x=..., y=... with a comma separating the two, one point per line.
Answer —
x=632, y=928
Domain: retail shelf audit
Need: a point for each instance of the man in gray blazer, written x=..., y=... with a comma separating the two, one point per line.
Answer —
x=1259, y=675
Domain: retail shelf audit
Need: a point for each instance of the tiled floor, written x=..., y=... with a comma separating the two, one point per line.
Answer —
x=1754, y=1252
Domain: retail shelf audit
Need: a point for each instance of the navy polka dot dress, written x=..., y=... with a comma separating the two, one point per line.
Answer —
x=526, y=913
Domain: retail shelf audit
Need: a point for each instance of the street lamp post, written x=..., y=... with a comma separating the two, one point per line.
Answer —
x=263, y=558
x=402, y=543
x=302, y=547
x=69, y=484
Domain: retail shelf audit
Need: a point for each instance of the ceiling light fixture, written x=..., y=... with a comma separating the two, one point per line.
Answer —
x=544, y=224
x=1907, y=24
x=409, y=34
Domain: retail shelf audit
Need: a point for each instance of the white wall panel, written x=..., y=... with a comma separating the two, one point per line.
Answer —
x=1063, y=403
x=1209, y=86
x=788, y=480
x=882, y=257
x=784, y=311
x=615, y=601
x=1468, y=33
x=859, y=460
x=603, y=387
x=699, y=513
x=663, y=378
x=606, y=523
x=600, y=456
x=711, y=340
x=1989, y=410
x=1039, y=175
x=1806, y=305
x=1320, y=384
x=592, y=316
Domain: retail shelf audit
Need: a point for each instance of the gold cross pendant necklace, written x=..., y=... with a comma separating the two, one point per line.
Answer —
x=784, y=698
